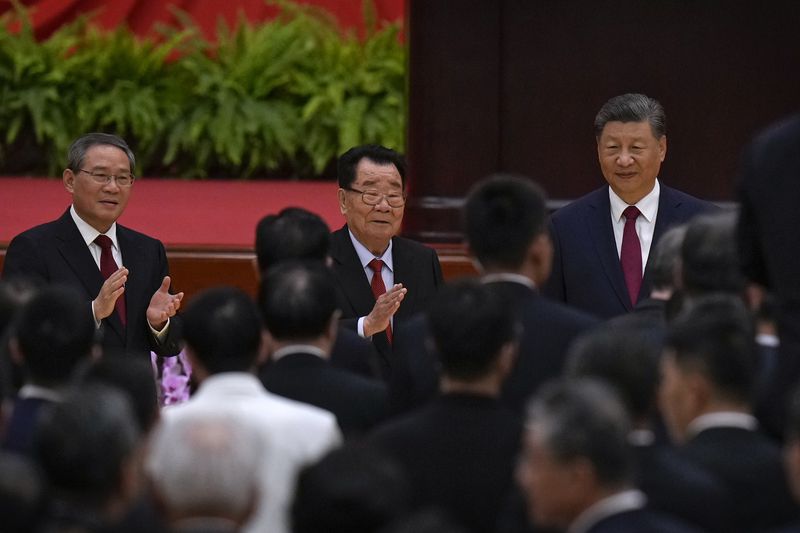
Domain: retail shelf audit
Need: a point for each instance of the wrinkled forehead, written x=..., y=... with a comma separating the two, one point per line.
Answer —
x=378, y=176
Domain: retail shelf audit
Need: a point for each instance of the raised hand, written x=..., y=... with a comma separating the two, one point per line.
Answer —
x=163, y=305
x=112, y=288
x=385, y=307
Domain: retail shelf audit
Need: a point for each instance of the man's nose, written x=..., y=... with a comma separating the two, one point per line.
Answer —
x=625, y=159
x=383, y=205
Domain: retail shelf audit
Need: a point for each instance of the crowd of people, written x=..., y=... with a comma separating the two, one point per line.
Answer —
x=627, y=364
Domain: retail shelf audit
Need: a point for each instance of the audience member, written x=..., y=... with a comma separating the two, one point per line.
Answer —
x=577, y=468
x=353, y=489
x=224, y=342
x=204, y=471
x=50, y=337
x=13, y=295
x=372, y=198
x=22, y=493
x=459, y=451
x=89, y=450
x=505, y=223
x=625, y=355
x=86, y=248
x=298, y=304
x=708, y=371
x=603, y=240
x=767, y=240
x=297, y=234
x=664, y=301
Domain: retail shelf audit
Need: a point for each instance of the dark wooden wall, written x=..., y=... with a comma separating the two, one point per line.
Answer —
x=514, y=85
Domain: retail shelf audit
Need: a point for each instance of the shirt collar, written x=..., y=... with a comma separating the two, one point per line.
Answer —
x=648, y=206
x=730, y=419
x=88, y=233
x=627, y=500
x=38, y=392
x=509, y=276
x=298, y=348
x=365, y=256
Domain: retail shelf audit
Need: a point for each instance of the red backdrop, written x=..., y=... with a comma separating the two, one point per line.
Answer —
x=142, y=15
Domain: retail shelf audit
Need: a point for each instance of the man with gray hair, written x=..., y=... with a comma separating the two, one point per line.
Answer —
x=122, y=274
x=576, y=467
x=211, y=479
x=602, y=241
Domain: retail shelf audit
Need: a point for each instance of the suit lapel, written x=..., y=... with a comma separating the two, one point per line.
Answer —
x=598, y=220
x=667, y=208
x=350, y=273
x=136, y=286
x=405, y=272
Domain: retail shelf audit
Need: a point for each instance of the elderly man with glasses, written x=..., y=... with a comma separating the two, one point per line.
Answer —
x=122, y=273
x=381, y=278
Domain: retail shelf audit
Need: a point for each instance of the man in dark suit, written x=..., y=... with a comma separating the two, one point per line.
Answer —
x=300, y=235
x=372, y=198
x=86, y=248
x=506, y=228
x=767, y=240
x=708, y=375
x=298, y=303
x=460, y=450
x=625, y=356
x=603, y=240
x=576, y=467
x=49, y=338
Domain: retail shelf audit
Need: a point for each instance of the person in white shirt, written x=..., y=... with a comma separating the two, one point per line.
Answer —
x=224, y=343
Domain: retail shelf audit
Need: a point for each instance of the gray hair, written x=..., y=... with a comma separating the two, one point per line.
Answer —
x=632, y=107
x=205, y=464
x=79, y=147
x=583, y=418
x=666, y=257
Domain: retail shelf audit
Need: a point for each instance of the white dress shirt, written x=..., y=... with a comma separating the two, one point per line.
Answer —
x=621, y=502
x=387, y=273
x=645, y=224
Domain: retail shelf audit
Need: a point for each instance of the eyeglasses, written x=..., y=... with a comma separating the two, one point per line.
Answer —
x=373, y=197
x=123, y=180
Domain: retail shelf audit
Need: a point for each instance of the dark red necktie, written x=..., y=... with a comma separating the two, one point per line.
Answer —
x=107, y=267
x=631, y=254
x=379, y=288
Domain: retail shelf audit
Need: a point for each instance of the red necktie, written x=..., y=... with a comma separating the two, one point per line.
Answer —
x=107, y=267
x=631, y=254
x=379, y=288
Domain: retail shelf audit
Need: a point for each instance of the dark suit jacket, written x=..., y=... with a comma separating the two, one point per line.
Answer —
x=750, y=467
x=56, y=253
x=22, y=424
x=358, y=403
x=548, y=329
x=459, y=453
x=681, y=488
x=415, y=266
x=640, y=521
x=768, y=241
x=586, y=270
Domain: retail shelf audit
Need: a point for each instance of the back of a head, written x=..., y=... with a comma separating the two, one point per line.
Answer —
x=54, y=332
x=132, y=375
x=626, y=357
x=222, y=328
x=297, y=301
x=469, y=324
x=583, y=418
x=348, y=162
x=206, y=465
x=714, y=336
x=21, y=493
x=83, y=442
x=664, y=261
x=354, y=489
x=709, y=257
x=294, y=233
x=632, y=107
x=503, y=214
